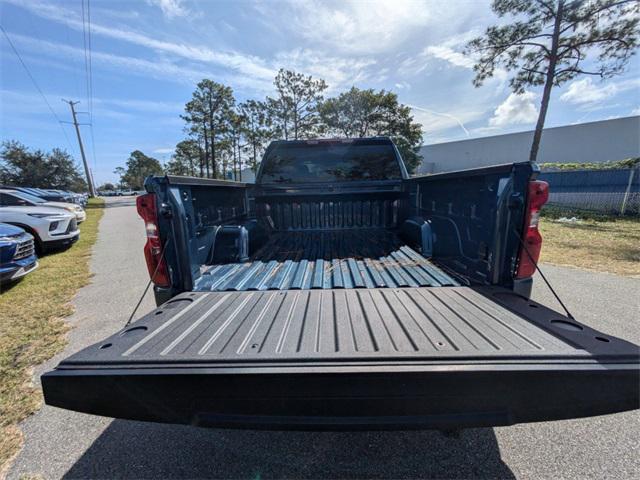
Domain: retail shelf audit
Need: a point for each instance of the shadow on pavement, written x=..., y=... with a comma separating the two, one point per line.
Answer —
x=144, y=450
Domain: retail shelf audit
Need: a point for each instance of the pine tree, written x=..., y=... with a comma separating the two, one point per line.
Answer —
x=548, y=42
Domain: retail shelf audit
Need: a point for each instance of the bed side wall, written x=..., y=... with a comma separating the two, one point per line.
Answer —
x=476, y=217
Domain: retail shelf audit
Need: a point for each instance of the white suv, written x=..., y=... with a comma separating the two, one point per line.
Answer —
x=15, y=198
x=51, y=227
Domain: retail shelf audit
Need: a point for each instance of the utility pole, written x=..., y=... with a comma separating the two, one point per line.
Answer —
x=92, y=192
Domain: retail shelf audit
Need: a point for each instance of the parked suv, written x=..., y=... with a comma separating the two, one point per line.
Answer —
x=17, y=253
x=14, y=198
x=51, y=227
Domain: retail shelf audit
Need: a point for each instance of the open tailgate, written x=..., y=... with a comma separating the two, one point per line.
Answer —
x=350, y=359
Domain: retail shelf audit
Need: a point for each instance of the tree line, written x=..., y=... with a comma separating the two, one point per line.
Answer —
x=224, y=136
x=22, y=166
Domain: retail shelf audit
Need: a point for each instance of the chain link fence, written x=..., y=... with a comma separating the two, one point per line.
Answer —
x=613, y=191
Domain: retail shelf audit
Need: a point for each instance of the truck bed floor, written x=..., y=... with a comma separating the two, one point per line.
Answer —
x=357, y=258
x=349, y=324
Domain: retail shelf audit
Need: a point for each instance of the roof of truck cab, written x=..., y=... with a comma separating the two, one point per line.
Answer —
x=315, y=141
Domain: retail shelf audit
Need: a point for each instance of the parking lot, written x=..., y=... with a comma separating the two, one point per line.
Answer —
x=60, y=443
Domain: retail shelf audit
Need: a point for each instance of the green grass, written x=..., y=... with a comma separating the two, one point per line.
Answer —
x=601, y=244
x=32, y=327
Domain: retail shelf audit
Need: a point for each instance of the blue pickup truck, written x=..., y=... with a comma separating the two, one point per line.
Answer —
x=339, y=293
x=17, y=253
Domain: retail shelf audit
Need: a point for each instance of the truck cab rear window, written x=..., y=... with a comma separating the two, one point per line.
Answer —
x=328, y=162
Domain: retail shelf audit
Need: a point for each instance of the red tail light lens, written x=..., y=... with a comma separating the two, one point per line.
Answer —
x=147, y=209
x=537, y=196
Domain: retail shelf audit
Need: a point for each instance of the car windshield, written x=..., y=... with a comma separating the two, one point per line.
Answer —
x=28, y=197
x=330, y=162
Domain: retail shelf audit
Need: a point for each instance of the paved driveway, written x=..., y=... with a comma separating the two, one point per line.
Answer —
x=66, y=444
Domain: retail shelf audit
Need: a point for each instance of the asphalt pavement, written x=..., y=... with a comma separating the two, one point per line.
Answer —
x=64, y=444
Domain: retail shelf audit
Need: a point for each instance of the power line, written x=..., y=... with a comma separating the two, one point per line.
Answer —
x=90, y=66
x=86, y=40
x=86, y=55
x=35, y=84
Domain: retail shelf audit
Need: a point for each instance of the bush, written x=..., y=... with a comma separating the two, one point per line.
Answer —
x=612, y=165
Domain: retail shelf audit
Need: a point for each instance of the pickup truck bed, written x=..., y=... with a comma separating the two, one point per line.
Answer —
x=339, y=293
x=319, y=359
x=352, y=258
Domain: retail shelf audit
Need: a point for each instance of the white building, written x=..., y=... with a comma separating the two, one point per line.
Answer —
x=592, y=142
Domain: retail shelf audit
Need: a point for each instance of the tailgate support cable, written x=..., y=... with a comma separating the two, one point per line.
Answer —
x=146, y=289
x=543, y=276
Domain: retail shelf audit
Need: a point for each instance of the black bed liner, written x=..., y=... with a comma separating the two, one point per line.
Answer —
x=332, y=325
x=336, y=359
x=346, y=258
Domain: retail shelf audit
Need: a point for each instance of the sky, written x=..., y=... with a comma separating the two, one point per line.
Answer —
x=143, y=59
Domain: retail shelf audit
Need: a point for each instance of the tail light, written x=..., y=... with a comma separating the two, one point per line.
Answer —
x=156, y=264
x=537, y=196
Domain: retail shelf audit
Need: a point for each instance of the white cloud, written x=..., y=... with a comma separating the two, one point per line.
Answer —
x=336, y=71
x=248, y=71
x=448, y=54
x=170, y=8
x=164, y=151
x=516, y=109
x=353, y=26
x=587, y=94
x=635, y=111
x=411, y=66
x=119, y=14
x=584, y=91
x=247, y=65
x=450, y=50
x=163, y=70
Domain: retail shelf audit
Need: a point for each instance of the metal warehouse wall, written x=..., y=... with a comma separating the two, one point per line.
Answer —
x=592, y=142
